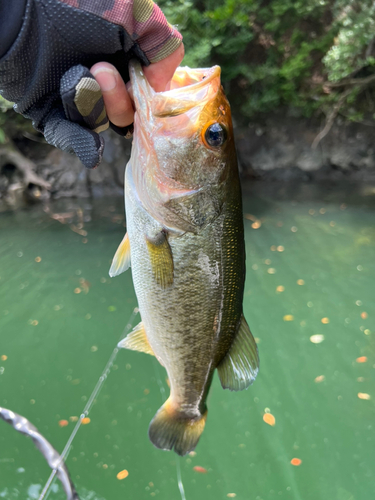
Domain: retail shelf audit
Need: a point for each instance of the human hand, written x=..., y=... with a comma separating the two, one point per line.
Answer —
x=58, y=41
x=116, y=97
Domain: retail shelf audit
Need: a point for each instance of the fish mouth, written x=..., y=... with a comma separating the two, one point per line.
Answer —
x=190, y=88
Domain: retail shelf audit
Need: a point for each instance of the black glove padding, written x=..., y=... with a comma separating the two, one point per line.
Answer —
x=55, y=37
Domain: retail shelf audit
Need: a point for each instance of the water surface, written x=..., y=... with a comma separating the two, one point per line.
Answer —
x=309, y=300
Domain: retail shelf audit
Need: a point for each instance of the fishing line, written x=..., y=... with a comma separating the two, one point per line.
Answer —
x=178, y=464
x=87, y=408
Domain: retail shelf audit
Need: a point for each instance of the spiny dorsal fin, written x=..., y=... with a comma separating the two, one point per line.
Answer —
x=161, y=259
x=137, y=340
x=121, y=260
x=240, y=366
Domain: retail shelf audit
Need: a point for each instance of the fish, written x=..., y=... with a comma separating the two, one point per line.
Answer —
x=185, y=246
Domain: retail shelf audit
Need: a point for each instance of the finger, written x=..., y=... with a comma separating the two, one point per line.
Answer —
x=116, y=98
x=159, y=74
x=73, y=138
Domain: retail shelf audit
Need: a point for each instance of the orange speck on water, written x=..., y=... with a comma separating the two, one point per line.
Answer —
x=319, y=378
x=288, y=317
x=256, y=224
x=200, y=469
x=4, y=357
x=86, y=420
x=269, y=419
x=122, y=474
x=296, y=461
x=363, y=395
x=280, y=288
x=63, y=423
x=364, y=315
x=361, y=359
x=38, y=259
x=325, y=321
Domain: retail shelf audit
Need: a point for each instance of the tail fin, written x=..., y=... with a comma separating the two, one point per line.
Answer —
x=170, y=429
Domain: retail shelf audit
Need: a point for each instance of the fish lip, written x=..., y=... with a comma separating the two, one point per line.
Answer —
x=150, y=104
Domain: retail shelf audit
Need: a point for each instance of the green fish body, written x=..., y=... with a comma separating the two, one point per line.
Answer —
x=185, y=245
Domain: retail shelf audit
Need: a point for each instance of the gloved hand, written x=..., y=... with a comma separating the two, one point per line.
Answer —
x=61, y=35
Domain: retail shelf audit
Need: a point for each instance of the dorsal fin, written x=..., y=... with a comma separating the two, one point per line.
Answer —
x=240, y=366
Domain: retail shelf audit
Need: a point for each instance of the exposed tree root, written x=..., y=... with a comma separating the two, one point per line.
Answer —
x=10, y=154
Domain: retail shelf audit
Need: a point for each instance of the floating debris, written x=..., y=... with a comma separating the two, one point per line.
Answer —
x=300, y=282
x=332, y=223
x=73, y=418
x=363, y=395
x=269, y=419
x=317, y=339
x=122, y=474
x=86, y=420
x=294, y=229
x=361, y=359
x=296, y=461
x=319, y=378
x=325, y=321
x=200, y=469
x=77, y=290
x=271, y=270
x=231, y=495
x=364, y=315
x=192, y=454
x=4, y=357
x=311, y=211
x=322, y=211
x=367, y=331
x=256, y=225
x=288, y=317
x=358, y=302
x=273, y=248
x=94, y=348
x=280, y=248
x=63, y=423
x=280, y=288
x=38, y=259
x=267, y=262
x=146, y=392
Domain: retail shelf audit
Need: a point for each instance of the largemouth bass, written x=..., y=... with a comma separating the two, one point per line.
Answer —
x=185, y=244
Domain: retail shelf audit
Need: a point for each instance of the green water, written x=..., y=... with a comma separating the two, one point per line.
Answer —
x=57, y=342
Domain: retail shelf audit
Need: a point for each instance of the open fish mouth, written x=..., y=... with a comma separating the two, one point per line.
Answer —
x=190, y=88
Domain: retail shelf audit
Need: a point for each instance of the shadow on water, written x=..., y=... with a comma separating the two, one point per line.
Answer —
x=303, y=431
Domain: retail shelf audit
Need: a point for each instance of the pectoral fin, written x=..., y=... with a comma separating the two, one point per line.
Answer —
x=137, y=340
x=121, y=260
x=161, y=258
x=240, y=366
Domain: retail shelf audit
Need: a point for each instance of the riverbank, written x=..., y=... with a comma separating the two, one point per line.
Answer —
x=278, y=149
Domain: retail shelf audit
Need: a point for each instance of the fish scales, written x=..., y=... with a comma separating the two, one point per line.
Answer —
x=185, y=232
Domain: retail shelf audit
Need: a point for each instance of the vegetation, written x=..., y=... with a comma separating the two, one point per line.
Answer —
x=309, y=56
x=306, y=56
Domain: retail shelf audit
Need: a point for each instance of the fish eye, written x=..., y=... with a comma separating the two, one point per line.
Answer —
x=214, y=135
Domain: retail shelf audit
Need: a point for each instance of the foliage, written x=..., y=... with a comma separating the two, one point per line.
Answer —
x=281, y=53
x=299, y=55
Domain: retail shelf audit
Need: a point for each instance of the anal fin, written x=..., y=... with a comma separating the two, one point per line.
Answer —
x=240, y=366
x=121, y=260
x=161, y=259
x=137, y=340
